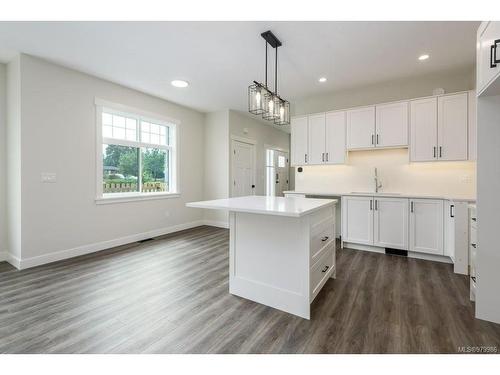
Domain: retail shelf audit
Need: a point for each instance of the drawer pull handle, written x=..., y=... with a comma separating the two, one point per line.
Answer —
x=473, y=245
x=326, y=269
x=324, y=238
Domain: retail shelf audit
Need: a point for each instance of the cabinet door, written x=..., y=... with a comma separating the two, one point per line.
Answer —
x=361, y=128
x=357, y=220
x=391, y=125
x=452, y=127
x=423, y=129
x=391, y=223
x=299, y=139
x=335, y=137
x=316, y=125
x=426, y=226
x=485, y=73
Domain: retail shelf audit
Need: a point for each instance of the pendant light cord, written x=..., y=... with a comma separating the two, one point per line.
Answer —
x=266, y=65
x=276, y=73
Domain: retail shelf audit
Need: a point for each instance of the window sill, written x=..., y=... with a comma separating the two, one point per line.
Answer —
x=123, y=198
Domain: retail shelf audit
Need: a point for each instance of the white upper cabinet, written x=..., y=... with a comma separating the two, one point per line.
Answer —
x=452, y=127
x=423, y=129
x=391, y=223
x=488, y=57
x=335, y=137
x=426, y=226
x=361, y=128
x=392, y=125
x=317, y=154
x=299, y=140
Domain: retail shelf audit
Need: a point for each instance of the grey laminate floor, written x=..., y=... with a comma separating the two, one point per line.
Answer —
x=171, y=295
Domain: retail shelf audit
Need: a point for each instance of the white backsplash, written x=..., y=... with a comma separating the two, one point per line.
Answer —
x=397, y=174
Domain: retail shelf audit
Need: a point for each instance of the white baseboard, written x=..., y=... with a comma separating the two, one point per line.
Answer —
x=215, y=223
x=3, y=256
x=91, y=248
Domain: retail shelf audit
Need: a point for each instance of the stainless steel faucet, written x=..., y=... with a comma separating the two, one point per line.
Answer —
x=378, y=184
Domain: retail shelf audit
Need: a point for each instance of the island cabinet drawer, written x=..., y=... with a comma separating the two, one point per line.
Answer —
x=322, y=234
x=319, y=216
x=321, y=271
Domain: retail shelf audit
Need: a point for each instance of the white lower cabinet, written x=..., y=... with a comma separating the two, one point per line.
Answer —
x=426, y=226
x=357, y=219
x=391, y=223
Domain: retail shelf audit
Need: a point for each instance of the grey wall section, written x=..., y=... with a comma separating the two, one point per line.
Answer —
x=263, y=134
x=13, y=161
x=3, y=162
x=488, y=208
x=413, y=87
x=216, y=164
x=59, y=135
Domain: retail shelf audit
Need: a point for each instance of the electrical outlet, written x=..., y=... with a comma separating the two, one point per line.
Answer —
x=49, y=178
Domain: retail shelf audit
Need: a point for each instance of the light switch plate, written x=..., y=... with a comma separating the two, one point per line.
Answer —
x=48, y=177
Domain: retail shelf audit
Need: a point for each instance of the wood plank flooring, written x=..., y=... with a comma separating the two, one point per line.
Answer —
x=170, y=295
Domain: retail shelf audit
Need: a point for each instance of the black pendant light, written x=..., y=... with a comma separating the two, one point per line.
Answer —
x=262, y=100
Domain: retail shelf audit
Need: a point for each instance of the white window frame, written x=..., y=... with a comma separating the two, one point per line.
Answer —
x=138, y=115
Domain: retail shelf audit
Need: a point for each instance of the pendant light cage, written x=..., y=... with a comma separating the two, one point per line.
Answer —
x=263, y=101
x=283, y=113
x=256, y=94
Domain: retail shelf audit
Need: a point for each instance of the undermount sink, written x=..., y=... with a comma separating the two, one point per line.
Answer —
x=372, y=193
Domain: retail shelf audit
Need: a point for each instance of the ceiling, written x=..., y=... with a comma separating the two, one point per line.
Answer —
x=220, y=59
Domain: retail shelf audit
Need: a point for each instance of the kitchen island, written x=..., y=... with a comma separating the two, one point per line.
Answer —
x=281, y=250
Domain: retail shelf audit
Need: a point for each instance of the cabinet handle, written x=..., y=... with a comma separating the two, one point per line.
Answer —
x=411, y=206
x=440, y=151
x=372, y=139
x=323, y=157
x=496, y=44
x=473, y=245
x=327, y=156
x=377, y=138
x=434, y=153
x=452, y=210
x=474, y=219
x=326, y=269
x=371, y=205
x=493, y=52
x=376, y=204
x=305, y=158
x=325, y=239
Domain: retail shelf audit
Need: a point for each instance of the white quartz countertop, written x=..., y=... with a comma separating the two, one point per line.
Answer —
x=382, y=194
x=280, y=206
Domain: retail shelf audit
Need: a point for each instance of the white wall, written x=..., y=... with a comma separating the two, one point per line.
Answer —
x=407, y=88
x=13, y=160
x=59, y=135
x=488, y=208
x=263, y=134
x=216, y=164
x=455, y=179
x=3, y=163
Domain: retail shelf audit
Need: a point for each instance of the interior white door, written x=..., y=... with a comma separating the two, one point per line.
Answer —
x=423, y=129
x=316, y=139
x=243, y=169
x=357, y=220
x=426, y=226
x=299, y=140
x=392, y=125
x=391, y=223
x=452, y=127
x=281, y=173
x=335, y=137
x=361, y=128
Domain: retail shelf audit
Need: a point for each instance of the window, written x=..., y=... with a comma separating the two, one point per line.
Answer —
x=137, y=155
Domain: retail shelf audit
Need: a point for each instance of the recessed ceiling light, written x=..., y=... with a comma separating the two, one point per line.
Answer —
x=322, y=79
x=423, y=57
x=179, y=83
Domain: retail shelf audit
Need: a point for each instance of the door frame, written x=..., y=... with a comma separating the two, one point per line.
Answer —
x=248, y=141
